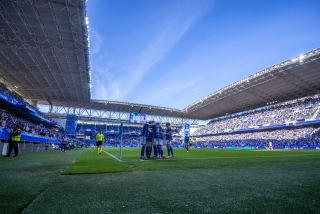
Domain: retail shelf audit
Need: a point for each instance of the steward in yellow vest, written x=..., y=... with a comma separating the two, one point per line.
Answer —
x=14, y=139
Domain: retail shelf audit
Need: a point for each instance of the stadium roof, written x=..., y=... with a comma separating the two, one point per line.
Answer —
x=44, y=56
x=44, y=49
x=294, y=78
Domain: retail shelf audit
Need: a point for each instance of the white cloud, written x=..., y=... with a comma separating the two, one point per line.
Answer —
x=95, y=42
x=157, y=48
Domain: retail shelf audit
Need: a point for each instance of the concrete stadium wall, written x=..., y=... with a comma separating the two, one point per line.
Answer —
x=25, y=147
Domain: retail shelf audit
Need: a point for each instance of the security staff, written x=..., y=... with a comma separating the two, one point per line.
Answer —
x=14, y=139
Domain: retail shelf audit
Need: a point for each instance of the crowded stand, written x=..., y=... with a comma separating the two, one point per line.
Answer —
x=107, y=129
x=283, y=138
x=8, y=121
x=32, y=132
x=219, y=132
x=35, y=133
x=13, y=97
x=297, y=110
x=130, y=138
x=111, y=132
x=127, y=141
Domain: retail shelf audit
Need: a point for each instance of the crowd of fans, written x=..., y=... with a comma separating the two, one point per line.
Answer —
x=4, y=90
x=283, y=138
x=82, y=127
x=296, y=110
x=7, y=121
x=127, y=141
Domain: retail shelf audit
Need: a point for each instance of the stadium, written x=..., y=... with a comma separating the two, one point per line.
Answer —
x=256, y=141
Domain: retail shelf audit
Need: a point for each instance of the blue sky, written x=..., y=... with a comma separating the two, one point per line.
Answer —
x=172, y=53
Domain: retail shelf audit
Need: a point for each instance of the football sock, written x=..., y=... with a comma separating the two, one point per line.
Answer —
x=142, y=151
x=148, y=152
x=171, y=151
x=155, y=151
x=159, y=150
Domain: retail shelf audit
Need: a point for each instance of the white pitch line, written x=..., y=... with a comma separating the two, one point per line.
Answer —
x=113, y=156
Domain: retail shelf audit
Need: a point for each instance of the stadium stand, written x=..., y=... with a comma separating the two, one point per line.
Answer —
x=286, y=138
x=272, y=116
x=11, y=101
x=8, y=120
x=131, y=134
x=38, y=131
x=279, y=124
x=33, y=138
x=107, y=129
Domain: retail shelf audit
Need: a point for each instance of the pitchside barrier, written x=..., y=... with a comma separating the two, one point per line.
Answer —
x=29, y=142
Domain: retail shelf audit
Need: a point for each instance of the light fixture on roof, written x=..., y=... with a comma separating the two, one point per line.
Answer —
x=16, y=86
x=301, y=58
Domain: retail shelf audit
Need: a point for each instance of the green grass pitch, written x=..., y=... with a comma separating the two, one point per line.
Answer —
x=200, y=181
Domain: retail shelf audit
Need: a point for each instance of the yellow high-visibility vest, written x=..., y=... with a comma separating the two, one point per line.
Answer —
x=16, y=138
x=99, y=137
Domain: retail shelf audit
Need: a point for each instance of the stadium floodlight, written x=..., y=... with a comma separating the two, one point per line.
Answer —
x=301, y=58
x=16, y=86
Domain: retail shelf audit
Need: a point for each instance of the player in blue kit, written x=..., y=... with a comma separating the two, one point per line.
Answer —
x=159, y=146
x=149, y=143
x=143, y=137
x=156, y=129
x=168, y=139
x=186, y=142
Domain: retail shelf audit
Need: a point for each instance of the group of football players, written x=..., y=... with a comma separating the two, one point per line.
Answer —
x=152, y=137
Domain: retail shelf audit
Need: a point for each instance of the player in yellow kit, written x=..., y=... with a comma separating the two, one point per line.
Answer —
x=99, y=141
